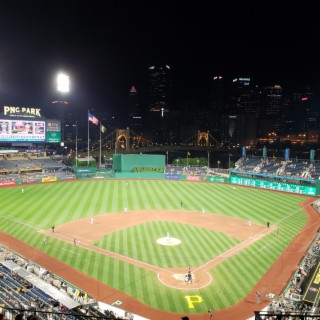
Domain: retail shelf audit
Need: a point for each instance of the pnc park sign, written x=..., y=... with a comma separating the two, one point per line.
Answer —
x=7, y=111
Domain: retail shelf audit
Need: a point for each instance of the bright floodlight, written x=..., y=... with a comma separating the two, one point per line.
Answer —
x=63, y=83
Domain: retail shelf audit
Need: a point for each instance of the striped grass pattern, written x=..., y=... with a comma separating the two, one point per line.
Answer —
x=44, y=205
x=198, y=246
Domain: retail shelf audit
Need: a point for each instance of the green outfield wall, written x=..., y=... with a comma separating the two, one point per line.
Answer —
x=137, y=175
x=138, y=162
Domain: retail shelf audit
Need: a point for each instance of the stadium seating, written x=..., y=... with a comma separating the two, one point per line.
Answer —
x=249, y=164
x=271, y=166
x=315, y=171
x=174, y=170
x=290, y=300
x=23, y=292
x=278, y=167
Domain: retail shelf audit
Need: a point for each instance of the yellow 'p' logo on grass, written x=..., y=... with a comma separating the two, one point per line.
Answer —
x=192, y=300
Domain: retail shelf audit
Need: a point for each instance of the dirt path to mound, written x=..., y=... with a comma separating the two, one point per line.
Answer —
x=284, y=266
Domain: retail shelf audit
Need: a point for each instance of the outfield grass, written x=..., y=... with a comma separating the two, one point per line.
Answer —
x=42, y=206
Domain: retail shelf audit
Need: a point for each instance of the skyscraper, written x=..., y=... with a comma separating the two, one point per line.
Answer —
x=135, y=112
x=160, y=101
x=271, y=102
x=160, y=90
x=240, y=111
x=219, y=105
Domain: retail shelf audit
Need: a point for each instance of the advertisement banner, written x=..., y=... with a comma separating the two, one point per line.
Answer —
x=49, y=179
x=217, y=179
x=7, y=183
x=85, y=171
x=172, y=176
x=53, y=137
x=193, y=178
x=53, y=132
x=274, y=185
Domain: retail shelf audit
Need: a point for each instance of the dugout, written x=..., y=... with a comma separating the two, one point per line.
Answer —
x=139, y=164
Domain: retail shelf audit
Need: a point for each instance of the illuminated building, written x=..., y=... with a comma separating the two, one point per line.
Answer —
x=160, y=101
x=135, y=112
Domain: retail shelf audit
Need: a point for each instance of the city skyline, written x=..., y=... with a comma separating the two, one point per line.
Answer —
x=107, y=48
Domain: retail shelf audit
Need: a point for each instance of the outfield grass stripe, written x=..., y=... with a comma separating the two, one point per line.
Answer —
x=114, y=200
x=176, y=194
x=111, y=268
x=117, y=271
x=133, y=191
x=172, y=194
x=170, y=202
x=164, y=201
x=240, y=282
x=140, y=288
x=153, y=198
x=139, y=191
x=160, y=259
x=159, y=251
x=126, y=199
x=148, y=246
x=97, y=199
x=234, y=278
x=226, y=295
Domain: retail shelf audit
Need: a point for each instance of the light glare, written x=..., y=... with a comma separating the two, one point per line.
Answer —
x=63, y=83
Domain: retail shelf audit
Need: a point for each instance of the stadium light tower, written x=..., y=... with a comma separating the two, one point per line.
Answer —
x=76, y=127
x=62, y=87
x=63, y=83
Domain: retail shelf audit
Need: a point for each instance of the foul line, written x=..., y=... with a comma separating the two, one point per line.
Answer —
x=78, y=254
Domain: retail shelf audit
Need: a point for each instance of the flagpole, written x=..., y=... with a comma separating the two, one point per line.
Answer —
x=88, y=138
x=76, y=144
x=100, y=148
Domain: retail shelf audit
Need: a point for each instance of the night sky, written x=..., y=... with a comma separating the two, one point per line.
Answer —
x=106, y=46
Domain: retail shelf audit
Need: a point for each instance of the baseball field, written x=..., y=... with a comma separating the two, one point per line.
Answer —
x=226, y=255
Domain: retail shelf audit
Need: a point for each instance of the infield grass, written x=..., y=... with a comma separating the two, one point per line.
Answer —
x=44, y=205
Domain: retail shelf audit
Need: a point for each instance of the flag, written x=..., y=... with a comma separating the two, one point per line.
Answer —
x=93, y=119
x=103, y=128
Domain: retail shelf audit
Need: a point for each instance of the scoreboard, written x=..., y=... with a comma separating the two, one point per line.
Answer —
x=25, y=124
x=22, y=130
x=274, y=185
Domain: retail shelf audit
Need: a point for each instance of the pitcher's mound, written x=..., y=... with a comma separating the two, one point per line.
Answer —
x=168, y=241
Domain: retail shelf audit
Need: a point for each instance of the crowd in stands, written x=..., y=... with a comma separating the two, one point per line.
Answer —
x=29, y=170
x=46, y=164
x=303, y=169
x=194, y=170
x=21, y=299
x=290, y=301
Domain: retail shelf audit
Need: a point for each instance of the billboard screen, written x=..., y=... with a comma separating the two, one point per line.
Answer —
x=274, y=185
x=22, y=130
x=53, y=131
x=25, y=130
